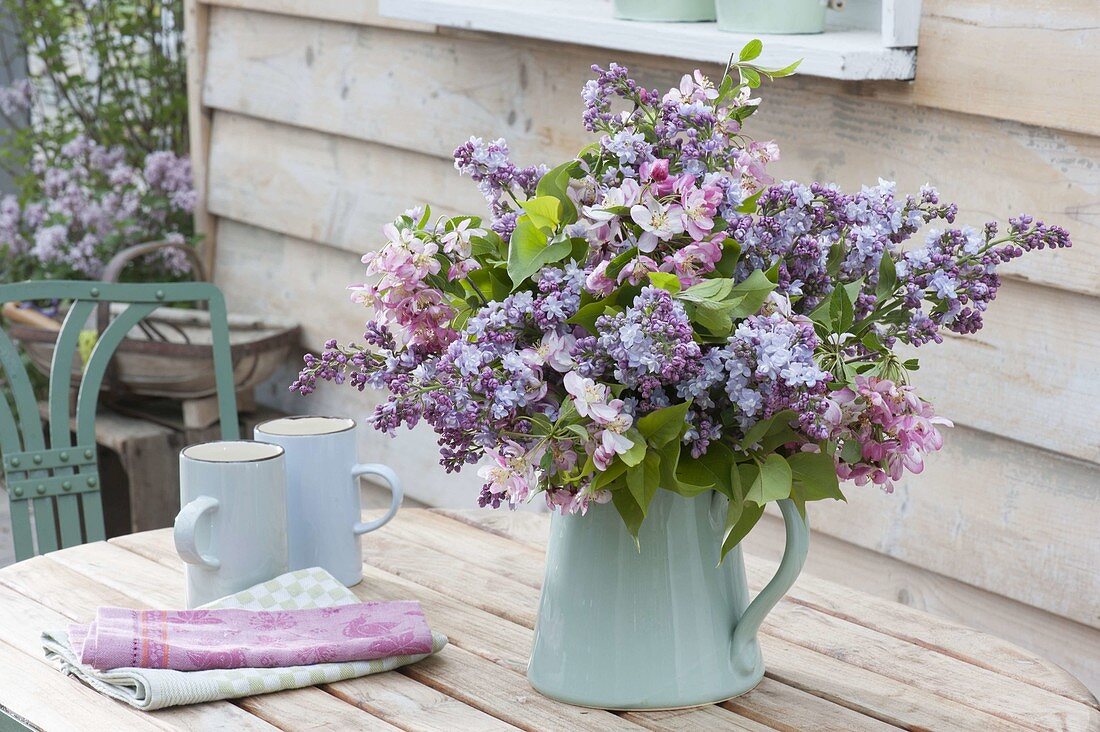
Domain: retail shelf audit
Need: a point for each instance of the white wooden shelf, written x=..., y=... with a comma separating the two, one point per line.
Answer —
x=840, y=53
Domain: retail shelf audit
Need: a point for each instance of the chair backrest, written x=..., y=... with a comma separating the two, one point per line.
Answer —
x=55, y=475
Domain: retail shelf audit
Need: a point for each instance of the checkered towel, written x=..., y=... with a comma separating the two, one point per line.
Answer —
x=158, y=688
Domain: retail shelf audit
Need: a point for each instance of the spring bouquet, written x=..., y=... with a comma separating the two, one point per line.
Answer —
x=659, y=314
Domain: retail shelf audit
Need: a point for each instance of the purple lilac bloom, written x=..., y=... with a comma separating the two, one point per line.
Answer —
x=648, y=346
x=769, y=367
x=956, y=273
x=497, y=178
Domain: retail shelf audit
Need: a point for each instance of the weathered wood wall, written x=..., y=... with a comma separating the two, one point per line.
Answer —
x=327, y=120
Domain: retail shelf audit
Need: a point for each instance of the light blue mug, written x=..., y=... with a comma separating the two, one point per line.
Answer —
x=231, y=529
x=663, y=628
x=324, y=524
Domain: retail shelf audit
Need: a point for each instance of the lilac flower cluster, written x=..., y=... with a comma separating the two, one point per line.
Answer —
x=766, y=366
x=891, y=427
x=662, y=276
x=93, y=205
x=647, y=347
x=955, y=272
x=498, y=179
x=769, y=367
x=16, y=98
x=798, y=226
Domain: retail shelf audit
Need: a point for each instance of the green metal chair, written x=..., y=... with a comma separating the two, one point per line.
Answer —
x=54, y=474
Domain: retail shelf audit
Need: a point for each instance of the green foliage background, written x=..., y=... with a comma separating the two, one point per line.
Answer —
x=114, y=70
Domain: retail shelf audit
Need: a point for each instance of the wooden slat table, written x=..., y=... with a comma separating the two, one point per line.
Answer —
x=836, y=659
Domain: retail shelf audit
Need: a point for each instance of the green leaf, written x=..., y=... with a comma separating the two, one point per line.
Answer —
x=614, y=470
x=771, y=482
x=713, y=470
x=837, y=254
x=750, y=76
x=731, y=252
x=663, y=425
x=542, y=424
x=530, y=249
x=630, y=512
x=666, y=281
x=785, y=71
x=814, y=476
x=841, y=313
x=780, y=434
x=715, y=318
x=751, y=50
x=543, y=211
x=425, y=218
x=579, y=252
x=556, y=183
x=670, y=460
x=853, y=289
x=746, y=297
x=767, y=426
x=725, y=88
x=713, y=290
x=743, y=519
x=490, y=282
x=887, y=276
x=643, y=480
x=578, y=430
x=852, y=452
x=490, y=244
x=748, y=206
x=637, y=451
x=587, y=315
x=615, y=266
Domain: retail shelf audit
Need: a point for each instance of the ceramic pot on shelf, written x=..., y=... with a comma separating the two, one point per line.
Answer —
x=772, y=16
x=665, y=10
x=662, y=627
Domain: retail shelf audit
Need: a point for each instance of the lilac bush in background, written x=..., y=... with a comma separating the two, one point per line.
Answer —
x=94, y=204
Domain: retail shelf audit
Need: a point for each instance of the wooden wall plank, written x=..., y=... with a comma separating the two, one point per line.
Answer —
x=363, y=12
x=320, y=75
x=979, y=502
x=329, y=189
x=1028, y=60
x=1031, y=374
x=196, y=29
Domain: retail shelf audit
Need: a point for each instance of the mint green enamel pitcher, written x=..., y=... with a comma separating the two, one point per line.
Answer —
x=663, y=628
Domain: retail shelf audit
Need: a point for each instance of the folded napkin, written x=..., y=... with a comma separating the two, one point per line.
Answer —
x=299, y=595
x=199, y=640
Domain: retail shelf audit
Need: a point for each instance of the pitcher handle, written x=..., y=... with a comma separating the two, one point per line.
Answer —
x=385, y=473
x=184, y=532
x=794, y=556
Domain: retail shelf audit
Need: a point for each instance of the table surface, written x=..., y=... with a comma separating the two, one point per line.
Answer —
x=836, y=659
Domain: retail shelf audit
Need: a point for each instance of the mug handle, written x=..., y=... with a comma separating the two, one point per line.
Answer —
x=184, y=532
x=794, y=557
x=386, y=474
